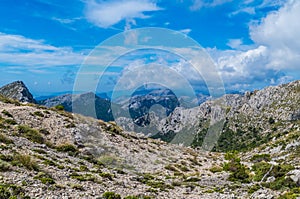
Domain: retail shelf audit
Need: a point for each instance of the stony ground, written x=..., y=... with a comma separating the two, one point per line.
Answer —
x=49, y=153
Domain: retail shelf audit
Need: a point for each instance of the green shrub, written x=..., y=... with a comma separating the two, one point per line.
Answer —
x=10, y=101
x=4, y=192
x=38, y=113
x=171, y=168
x=84, y=177
x=59, y=107
x=83, y=168
x=6, y=113
x=278, y=171
x=49, y=162
x=280, y=183
x=111, y=195
x=216, y=169
x=25, y=161
x=253, y=189
x=271, y=120
x=44, y=131
x=132, y=197
x=44, y=178
x=260, y=169
x=137, y=197
x=154, y=183
x=238, y=171
x=77, y=186
x=4, y=166
x=292, y=194
x=10, y=191
x=71, y=125
x=31, y=134
x=106, y=175
x=10, y=121
x=70, y=148
x=40, y=151
x=7, y=158
x=261, y=157
x=4, y=139
x=109, y=160
x=192, y=179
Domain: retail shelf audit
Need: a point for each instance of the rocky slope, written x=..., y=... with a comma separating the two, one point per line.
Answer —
x=17, y=90
x=49, y=153
x=245, y=121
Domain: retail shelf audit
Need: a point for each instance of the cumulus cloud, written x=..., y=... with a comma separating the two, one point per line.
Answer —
x=273, y=58
x=16, y=50
x=280, y=31
x=108, y=13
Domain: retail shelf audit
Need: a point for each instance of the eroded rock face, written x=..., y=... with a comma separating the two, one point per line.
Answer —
x=17, y=90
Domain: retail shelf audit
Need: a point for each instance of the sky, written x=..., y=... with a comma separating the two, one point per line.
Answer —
x=253, y=43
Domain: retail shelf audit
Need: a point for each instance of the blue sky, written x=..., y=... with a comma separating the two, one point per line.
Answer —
x=254, y=43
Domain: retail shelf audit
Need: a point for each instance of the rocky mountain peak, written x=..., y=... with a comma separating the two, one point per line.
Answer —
x=17, y=90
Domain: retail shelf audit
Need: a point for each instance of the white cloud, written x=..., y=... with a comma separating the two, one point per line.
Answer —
x=63, y=21
x=185, y=31
x=274, y=56
x=252, y=6
x=250, y=10
x=280, y=31
x=272, y=3
x=198, y=4
x=108, y=13
x=234, y=43
x=16, y=50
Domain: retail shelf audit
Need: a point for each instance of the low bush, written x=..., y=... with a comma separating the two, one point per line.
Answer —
x=10, y=191
x=59, y=107
x=4, y=139
x=25, y=161
x=10, y=121
x=261, y=157
x=38, y=113
x=31, y=134
x=66, y=148
x=4, y=166
x=44, y=178
x=111, y=195
x=292, y=194
x=6, y=113
x=216, y=169
x=238, y=171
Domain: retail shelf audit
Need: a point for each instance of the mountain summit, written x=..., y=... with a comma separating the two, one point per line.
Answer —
x=17, y=90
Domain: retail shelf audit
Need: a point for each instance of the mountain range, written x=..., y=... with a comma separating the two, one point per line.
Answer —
x=254, y=138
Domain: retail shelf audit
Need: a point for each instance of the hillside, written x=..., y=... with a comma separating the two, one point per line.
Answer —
x=246, y=121
x=49, y=153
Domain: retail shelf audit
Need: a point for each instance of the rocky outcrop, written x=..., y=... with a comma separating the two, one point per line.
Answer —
x=18, y=91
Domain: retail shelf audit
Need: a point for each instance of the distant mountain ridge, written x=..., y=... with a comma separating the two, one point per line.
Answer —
x=82, y=104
